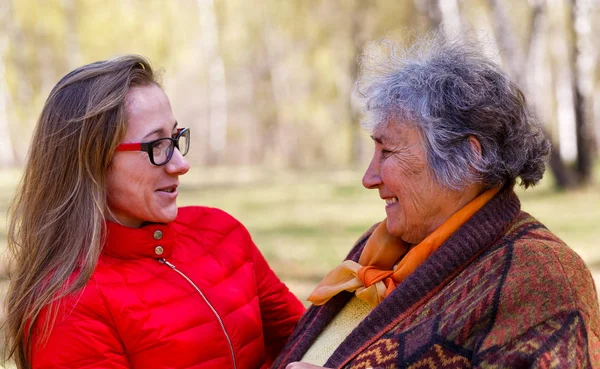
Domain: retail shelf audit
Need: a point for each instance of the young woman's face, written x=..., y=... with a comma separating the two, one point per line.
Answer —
x=138, y=191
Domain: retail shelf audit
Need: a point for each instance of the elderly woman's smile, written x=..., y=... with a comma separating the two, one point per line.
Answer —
x=415, y=203
x=391, y=201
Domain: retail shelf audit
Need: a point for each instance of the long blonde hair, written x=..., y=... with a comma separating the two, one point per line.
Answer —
x=56, y=218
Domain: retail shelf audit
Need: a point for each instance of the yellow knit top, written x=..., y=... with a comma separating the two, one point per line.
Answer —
x=336, y=331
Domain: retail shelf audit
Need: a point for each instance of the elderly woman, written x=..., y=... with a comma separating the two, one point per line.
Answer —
x=109, y=273
x=456, y=276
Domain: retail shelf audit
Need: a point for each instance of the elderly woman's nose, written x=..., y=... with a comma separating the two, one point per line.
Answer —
x=372, y=177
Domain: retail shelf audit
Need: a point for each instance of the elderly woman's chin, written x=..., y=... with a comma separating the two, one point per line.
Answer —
x=407, y=233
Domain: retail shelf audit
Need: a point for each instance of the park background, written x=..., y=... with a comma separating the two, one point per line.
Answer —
x=266, y=88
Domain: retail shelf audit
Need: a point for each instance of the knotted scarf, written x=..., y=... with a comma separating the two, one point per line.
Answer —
x=374, y=276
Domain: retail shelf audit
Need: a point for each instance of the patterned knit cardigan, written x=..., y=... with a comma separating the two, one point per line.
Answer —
x=502, y=292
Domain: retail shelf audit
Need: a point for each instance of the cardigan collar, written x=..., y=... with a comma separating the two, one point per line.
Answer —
x=150, y=241
x=478, y=234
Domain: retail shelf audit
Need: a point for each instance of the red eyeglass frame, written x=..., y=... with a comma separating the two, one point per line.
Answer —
x=148, y=146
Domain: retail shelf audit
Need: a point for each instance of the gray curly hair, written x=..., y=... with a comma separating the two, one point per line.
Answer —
x=450, y=91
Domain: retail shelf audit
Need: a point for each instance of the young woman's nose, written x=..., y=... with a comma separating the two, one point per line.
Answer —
x=178, y=164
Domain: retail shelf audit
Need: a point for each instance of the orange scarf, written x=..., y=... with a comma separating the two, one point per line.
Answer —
x=376, y=279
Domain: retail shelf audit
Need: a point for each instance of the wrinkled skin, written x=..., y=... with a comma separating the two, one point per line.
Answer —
x=416, y=203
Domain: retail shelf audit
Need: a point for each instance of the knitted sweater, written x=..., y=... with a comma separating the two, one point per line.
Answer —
x=501, y=292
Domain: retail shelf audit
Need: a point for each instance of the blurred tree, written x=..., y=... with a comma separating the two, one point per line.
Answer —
x=215, y=76
x=18, y=77
x=357, y=35
x=517, y=57
x=430, y=11
x=7, y=152
x=269, y=82
x=582, y=65
x=72, y=49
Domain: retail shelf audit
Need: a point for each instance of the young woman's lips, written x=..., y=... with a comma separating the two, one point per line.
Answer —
x=169, y=192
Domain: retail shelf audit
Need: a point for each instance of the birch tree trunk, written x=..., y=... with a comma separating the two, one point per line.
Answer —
x=7, y=152
x=451, y=18
x=216, y=82
x=512, y=54
x=582, y=65
x=516, y=58
x=360, y=12
x=430, y=9
x=73, y=51
x=264, y=104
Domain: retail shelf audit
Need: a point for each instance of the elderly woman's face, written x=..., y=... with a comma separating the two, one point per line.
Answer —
x=415, y=204
x=139, y=191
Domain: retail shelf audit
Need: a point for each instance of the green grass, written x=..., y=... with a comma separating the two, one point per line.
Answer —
x=305, y=222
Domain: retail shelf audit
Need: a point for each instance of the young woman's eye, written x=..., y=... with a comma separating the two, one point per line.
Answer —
x=160, y=146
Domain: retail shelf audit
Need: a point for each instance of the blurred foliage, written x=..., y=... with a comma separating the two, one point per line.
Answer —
x=285, y=69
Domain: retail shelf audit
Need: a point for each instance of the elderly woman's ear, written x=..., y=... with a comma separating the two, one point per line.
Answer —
x=477, y=153
x=475, y=145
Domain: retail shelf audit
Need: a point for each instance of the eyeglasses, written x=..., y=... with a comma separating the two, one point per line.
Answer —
x=161, y=151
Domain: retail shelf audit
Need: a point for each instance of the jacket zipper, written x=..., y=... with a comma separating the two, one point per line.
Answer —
x=164, y=261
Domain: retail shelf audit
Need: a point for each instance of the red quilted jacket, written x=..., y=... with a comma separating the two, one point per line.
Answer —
x=196, y=293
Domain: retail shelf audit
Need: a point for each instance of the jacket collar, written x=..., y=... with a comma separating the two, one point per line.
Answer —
x=150, y=241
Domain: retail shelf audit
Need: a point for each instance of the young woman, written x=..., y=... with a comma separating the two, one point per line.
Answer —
x=108, y=272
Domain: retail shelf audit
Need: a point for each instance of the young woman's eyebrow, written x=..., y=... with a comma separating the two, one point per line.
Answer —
x=158, y=131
